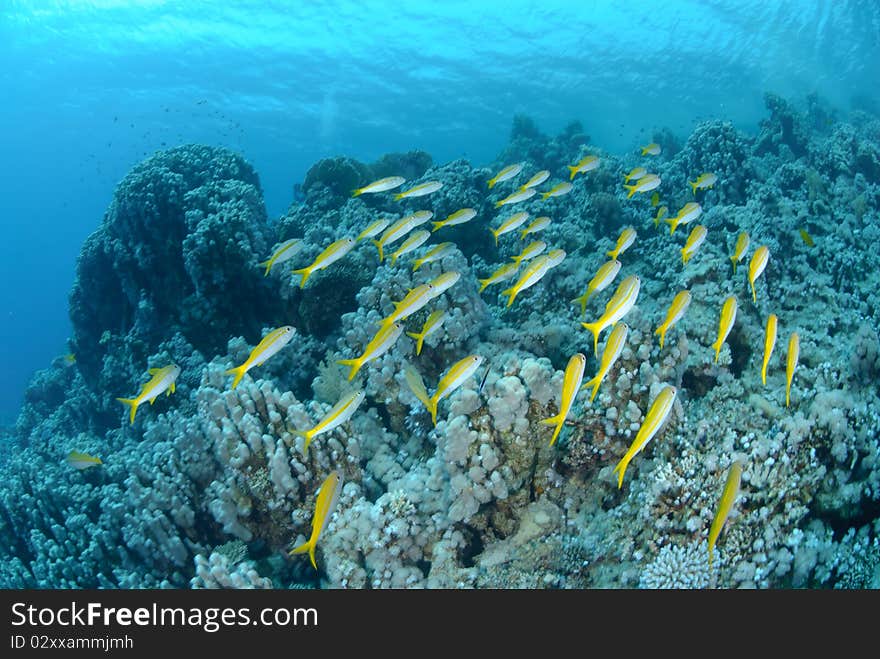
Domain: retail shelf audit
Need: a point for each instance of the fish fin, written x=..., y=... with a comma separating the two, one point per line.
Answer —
x=398, y=196
x=754, y=293
x=305, y=547
x=595, y=329
x=620, y=469
x=355, y=365
x=631, y=188
x=133, y=403
x=417, y=264
x=419, y=338
x=554, y=421
x=394, y=258
x=437, y=225
x=491, y=183
x=717, y=347
x=511, y=294
x=153, y=371
x=379, y=247
x=238, y=372
x=662, y=332
x=764, y=374
x=357, y=192
x=733, y=260
x=685, y=257
x=484, y=283
x=612, y=254
x=574, y=170
x=582, y=300
x=544, y=195
x=498, y=204
x=173, y=387
x=305, y=272
x=267, y=265
x=305, y=434
x=594, y=382
x=693, y=187
x=494, y=235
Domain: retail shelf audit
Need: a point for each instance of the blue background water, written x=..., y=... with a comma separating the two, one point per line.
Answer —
x=90, y=88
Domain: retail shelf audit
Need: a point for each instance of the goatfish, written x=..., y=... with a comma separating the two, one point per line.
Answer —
x=163, y=381
x=325, y=503
x=432, y=324
x=652, y=149
x=503, y=273
x=794, y=351
x=451, y=380
x=586, y=164
x=534, y=273
x=725, y=323
x=271, y=344
x=634, y=174
x=415, y=299
x=728, y=496
x=620, y=304
x=626, y=238
x=806, y=237
x=284, y=252
x=416, y=240
x=399, y=229
x=557, y=190
x=330, y=255
x=645, y=184
x=437, y=252
x=769, y=344
x=571, y=385
x=519, y=195
x=600, y=281
x=531, y=250
x=696, y=238
x=610, y=353
x=382, y=185
x=537, y=179
x=458, y=217
x=688, y=213
x=505, y=174
x=680, y=304
x=420, y=190
x=539, y=224
x=339, y=414
x=704, y=181
x=654, y=420
x=69, y=359
x=442, y=283
x=655, y=199
x=739, y=250
x=661, y=213
x=756, y=267
x=378, y=346
x=374, y=229
x=79, y=460
x=512, y=223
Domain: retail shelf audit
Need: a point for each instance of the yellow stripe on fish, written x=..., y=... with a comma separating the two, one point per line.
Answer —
x=634, y=174
x=694, y=241
x=505, y=174
x=163, y=381
x=537, y=179
x=613, y=347
x=381, y=343
x=436, y=253
x=703, y=181
x=458, y=217
x=373, y=229
x=679, y=306
x=330, y=255
x=283, y=252
x=571, y=385
x=270, y=345
x=687, y=214
x=325, y=504
x=539, y=224
x=791, y=362
x=505, y=272
x=415, y=299
x=645, y=184
x=756, y=267
x=534, y=273
x=420, y=190
x=415, y=240
x=557, y=190
x=626, y=238
x=586, y=164
x=456, y=376
x=725, y=323
x=530, y=251
x=600, y=281
x=739, y=250
x=80, y=461
x=441, y=283
x=728, y=497
x=399, y=229
x=652, y=149
x=769, y=344
x=433, y=323
x=661, y=213
x=512, y=223
x=339, y=414
x=618, y=306
x=654, y=421
x=516, y=197
x=382, y=185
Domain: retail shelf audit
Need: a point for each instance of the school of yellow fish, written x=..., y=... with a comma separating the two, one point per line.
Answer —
x=540, y=258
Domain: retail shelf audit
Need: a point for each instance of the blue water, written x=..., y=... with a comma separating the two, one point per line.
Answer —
x=90, y=88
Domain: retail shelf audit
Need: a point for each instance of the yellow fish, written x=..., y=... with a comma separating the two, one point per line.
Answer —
x=330, y=255
x=271, y=344
x=458, y=217
x=442, y=283
x=432, y=324
x=688, y=213
x=440, y=251
x=623, y=300
x=325, y=503
x=399, y=229
x=451, y=380
x=586, y=164
x=382, y=185
x=645, y=184
x=600, y=281
x=285, y=251
x=537, y=179
x=661, y=213
x=70, y=359
x=756, y=267
x=626, y=238
x=728, y=316
x=373, y=229
x=654, y=420
x=695, y=239
x=613, y=347
x=769, y=344
x=512, y=223
x=503, y=273
x=79, y=460
x=571, y=384
x=519, y=195
x=680, y=304
x=739, y=251
x=378, y=346
x=706, y=180
x=505, y=174
x=415, y=299
x=806, y=237
x=655, y=199
x=794, y=351
x=557, y=190
x=652, y=149
x=163, y=380
x=531, y=250
x=416, y=240
x=339, y=414
x=728, y=496
x=534, y=273
x=539, y=224
x=634, y=174
x=420, y=190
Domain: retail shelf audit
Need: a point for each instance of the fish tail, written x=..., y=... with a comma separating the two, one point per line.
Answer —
x=379, y=247
x=764, y=374
x=662, y=332
x=355, y=365
x=267, y=265
x=625, y=179
x=516, y=259
x=420, y=339
x=511, y=294
x=554, y=420
x=582, y=300
x=620, y=469
x=498, y=204
x=305, y=272
x=612, y=253
x=394, y=258
x=595, y=382
x=492, y=183
x=595, y=329
x=574, y=170
x=673, y=224
x=305, y=547
x=710, y=555
x=484, y=283
x=494, y=235
x=787, y=393
x=733, y=260
x=357, y=193
x=133, y=404
x=437, y=225
x=238, y=372
x=693, y=187
x=754, y=293
x=717, y=346
x=398, y=196
x=631, y=188
x=307, y=436
x=544, y=195
x=417, y=264
x=644, y=151
x=685, y=257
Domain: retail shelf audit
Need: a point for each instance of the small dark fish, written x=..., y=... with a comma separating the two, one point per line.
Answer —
x=483, y=381
x=806, y=237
